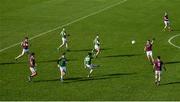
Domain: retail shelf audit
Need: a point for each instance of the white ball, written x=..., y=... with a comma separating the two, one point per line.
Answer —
x=133, y=41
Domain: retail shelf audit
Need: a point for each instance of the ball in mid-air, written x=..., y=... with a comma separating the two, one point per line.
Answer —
x=133, y=41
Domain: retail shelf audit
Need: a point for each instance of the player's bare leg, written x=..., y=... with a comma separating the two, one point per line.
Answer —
x=19, y=55
x=164, y=29
x=158, y=80
x=60, y=46
x=62, y=76
x=90, y=72
x=97, y=53
x=31, y=76
x=150, y=58
x=67, y=47
x=93, y=51
x=167, y=26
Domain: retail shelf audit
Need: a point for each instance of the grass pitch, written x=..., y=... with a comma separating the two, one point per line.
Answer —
x=124, y=74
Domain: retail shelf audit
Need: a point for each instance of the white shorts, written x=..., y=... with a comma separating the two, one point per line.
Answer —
x=166, y=23
x=96, y=47
x=91, y=66
x=33, y=69
x=64, y=40
x=149, y=53
x=62, y=69
x=157, y=72
x=25, y=51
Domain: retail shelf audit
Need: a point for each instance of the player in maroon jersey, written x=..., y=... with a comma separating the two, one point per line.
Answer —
x=158, y=65
x=166, y=22
x=148, y=50
x=32, y=66
x=25, y=46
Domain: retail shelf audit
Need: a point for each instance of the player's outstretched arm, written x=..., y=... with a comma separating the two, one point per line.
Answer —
x=153, y=67
x=152, y=41
x=145, y=49
x=21, y=43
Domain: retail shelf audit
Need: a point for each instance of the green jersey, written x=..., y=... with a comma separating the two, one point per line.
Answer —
x=87, y=60
x=96, y=41
x=62, y=62
x=63, y=34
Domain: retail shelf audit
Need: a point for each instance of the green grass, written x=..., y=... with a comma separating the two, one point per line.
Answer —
x=125, y=74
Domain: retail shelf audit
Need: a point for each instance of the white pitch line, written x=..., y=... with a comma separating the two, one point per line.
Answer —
x=79, y=19
x=172, y=39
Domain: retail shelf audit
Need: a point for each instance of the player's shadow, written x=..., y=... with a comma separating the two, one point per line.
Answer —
x=170, y=83
x=47, y=80
x=57, y=79
x=9, y=63
x=102, y=77
x=120, y=55
x=54, y=60
x=86, y=50
x=172, y=62
x=176, y=30
x=41, y=61
x=82, y=79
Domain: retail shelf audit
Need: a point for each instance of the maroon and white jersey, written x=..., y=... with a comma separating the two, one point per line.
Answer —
x=166, y=18
x=25, y=44
x=148, y=47
x=32, y=61
x=158, y=65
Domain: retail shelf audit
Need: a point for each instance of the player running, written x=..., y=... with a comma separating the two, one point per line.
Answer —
x=64, y=39
x=158, y=65
x=96, y=49
x=166, y=22
x=62, y=66
x=148, y=50
x=25, y=46
x=32, y=64
x=88, y=64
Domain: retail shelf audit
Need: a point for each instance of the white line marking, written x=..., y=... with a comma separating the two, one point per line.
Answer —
x=79, y=19
x=172, y=39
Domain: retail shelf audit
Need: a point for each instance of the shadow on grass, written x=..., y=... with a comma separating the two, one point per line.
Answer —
x=102, y=77
x=49, y=61
x=176, y=30
x=9, y=63
x=172, y=62
x=43, y=61
x=170, y=83
x=86, y=50
x=48, y=80
x=81, y=79
x=120, y=55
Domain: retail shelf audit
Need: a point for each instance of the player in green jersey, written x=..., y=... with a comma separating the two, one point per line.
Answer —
x=62, y=61
x=88, y=64
x=64, y=39
x=96, y=49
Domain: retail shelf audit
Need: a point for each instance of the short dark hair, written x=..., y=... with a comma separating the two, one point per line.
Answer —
x=158, y=57
x=33, y=53
x=26, y=37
